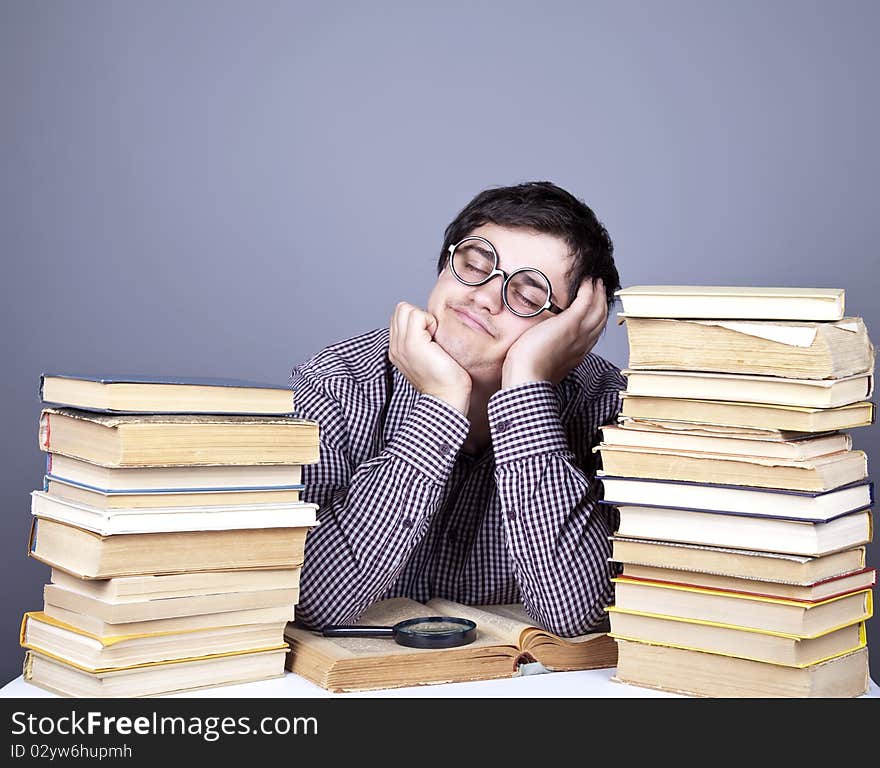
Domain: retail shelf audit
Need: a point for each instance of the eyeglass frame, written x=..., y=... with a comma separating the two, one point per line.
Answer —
x=549, y=306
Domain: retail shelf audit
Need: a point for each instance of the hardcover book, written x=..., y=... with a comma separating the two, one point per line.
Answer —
x=768, y=348
x=104, y=500
x=696, y=673
x=733, y=302
x=90, y=555
x=151, y=680
x=164, y=394
x=632, y=434
x=774, y=390
x=759, y=416
x=192, y=440
x=819, y=473
x=812, y=506
x=108, y=521
x=127, y=610
x=834, y=586
x=783, y=616
x=166, y=480
x=795, y=570
x=756, y=532
x=195, y=622
x=734, y=641
x=63, y=642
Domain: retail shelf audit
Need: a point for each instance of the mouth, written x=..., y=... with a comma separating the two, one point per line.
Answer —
x=471, y=320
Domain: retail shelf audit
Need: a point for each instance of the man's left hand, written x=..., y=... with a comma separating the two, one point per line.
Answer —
x=551, y=349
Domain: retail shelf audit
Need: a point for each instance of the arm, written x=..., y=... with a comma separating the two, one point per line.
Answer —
x=372, y=514
x=556, y=532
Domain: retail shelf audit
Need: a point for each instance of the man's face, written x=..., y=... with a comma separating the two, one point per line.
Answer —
x=473, y=325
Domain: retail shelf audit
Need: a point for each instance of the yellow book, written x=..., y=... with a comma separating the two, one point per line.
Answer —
x=58, y=676
x=783, y=616
x=741, y=642
x=96, y=653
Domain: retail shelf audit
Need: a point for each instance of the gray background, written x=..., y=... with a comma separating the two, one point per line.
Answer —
x=223, y=188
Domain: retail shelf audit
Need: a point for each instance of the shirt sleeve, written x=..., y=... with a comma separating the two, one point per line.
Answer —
x=372, y=514
x=556, y=533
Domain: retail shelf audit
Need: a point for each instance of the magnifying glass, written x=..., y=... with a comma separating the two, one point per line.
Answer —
x=423, y=632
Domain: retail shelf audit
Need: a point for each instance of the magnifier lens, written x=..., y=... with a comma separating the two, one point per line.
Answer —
x=435, y=632
x=434, y=626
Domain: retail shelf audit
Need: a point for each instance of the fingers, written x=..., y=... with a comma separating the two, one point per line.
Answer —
x=409, y=325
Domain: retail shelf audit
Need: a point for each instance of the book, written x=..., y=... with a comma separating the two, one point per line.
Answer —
x=733, y=302
x=733, y=641
x=696, y=673
x=127, y=610
x=165, y=585
x=198, y=621
x=172, y=440
x=815, y=506
x=638, y=435
x=151, y=680
x=769, y=348
x=506, y=638
x=740, y=563
x=820, y=473
x=61, y=641
x=774, y=390
x=756, y=532
x=164, y=394
x=168, y=480
x=833, y=586
x=784, y=616
x=124, y=520
x=695, y=428
x=726, y=413
x=89, y=555
x=104, y=500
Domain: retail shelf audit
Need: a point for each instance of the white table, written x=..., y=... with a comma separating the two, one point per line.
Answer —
x=533, y=683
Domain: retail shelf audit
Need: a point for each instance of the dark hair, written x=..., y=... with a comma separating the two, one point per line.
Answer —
x=543, y=207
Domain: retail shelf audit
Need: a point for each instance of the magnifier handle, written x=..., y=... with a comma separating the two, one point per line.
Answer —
x=353, y=630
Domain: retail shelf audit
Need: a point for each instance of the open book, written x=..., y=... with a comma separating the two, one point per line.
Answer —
x=506, y=638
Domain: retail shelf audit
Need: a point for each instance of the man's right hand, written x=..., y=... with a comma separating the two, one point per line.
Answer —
x=426, y=365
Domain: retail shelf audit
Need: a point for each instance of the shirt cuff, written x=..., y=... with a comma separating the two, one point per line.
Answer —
x=430, y=437
x=524, y=422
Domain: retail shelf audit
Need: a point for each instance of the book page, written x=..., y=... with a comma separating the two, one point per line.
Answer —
x=507, y=624
x=386, y=613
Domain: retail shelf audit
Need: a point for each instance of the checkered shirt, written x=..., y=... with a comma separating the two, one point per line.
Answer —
x=404, y=512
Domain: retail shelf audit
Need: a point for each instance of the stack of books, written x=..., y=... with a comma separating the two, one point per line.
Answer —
x=744, y=508
x=172, y=520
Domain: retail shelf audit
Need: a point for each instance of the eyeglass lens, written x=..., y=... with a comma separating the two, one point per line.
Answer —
x=526, y=290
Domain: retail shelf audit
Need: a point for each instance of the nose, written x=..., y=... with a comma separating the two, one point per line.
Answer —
x=488, y=295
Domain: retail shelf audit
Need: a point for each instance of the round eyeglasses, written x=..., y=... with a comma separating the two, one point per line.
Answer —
x=525, y=291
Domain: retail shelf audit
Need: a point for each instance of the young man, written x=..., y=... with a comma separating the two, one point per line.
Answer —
x=456, y=443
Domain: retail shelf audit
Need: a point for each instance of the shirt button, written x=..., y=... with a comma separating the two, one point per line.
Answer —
x=407, y=523
x=452, y=537
x=511, y=515
x=444, y=448
x=501, y=427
